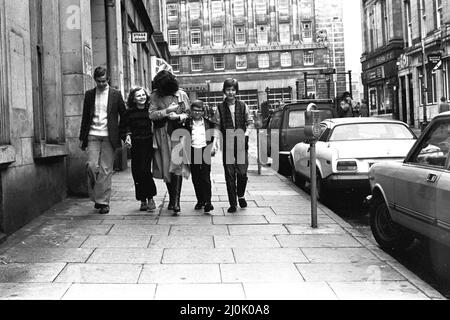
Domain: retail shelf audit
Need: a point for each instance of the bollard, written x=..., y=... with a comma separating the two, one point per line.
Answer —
x=313, y=185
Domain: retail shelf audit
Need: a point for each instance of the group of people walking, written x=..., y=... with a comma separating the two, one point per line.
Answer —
x=170, y=139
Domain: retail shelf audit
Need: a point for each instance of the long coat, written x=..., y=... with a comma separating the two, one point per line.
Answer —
x=116, y=107
x=163, y=164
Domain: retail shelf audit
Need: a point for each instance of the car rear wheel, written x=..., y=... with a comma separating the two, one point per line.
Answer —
x=386, y=232
x=296, y=178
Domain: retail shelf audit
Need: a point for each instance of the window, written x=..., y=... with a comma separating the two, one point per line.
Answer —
x=175, y=63
x=239, y=35
x=174, y=38
x=277, y=95
x=261, y=7
x=194, y=10
x=172, y=11
x=241, y=62
x=285, y=33
x=250, y=97
x=196, y=38
x=283, y=8
x=286, y=59
x=219, y=62
x=262, y=36
x=434, y=149
x=306, y=8
x=238, y=8
x=263, y=60
x=308, y=58
x=296, y=119
x=439, y=14
x=307, y=32
x=217, y=35
x=311, y=87
x=196, y=63
x=216, y=10
x=408, y=23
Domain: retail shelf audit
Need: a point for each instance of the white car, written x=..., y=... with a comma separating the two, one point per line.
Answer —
x=346, y=150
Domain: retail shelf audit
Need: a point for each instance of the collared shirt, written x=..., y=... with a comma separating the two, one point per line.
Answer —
x=99, y=125
x=198, y=134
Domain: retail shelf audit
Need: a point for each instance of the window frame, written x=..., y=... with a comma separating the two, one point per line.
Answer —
x=196, y=34
x=175, y=66
x=219, y=65
x=260, y=34
x=217, y=36
x=170, y=37
x=285, y=35
x=263, y=61
x=308, y=58
x=196, y=63
x=239, y=37
x=172, y=7
x=243, y=61
x=283, y=59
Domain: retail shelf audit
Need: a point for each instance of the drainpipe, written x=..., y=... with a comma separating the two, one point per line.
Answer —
x=424, y=68
x=111, y=43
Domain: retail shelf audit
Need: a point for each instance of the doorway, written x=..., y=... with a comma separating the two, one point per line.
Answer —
x=412, y=120
x=403, y=106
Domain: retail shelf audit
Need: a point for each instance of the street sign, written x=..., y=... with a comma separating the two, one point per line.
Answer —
x=434, y=58
x=139, y=37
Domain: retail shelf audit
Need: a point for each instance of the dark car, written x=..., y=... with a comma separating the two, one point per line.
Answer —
x=287, y=124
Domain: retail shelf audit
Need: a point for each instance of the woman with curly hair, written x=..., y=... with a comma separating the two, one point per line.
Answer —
x=136, y=131
x=168, y=110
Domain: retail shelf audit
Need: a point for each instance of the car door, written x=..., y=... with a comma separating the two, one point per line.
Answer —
x=273, y=130
x=415, y=186
x=293, y=129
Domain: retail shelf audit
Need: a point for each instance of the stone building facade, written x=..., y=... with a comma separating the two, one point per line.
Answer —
x=402, y=41
x=268, y=45
x=48, y=50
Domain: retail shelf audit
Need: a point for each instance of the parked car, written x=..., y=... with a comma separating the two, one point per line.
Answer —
x=289, y=122
x=346, y=149
x=411, y=199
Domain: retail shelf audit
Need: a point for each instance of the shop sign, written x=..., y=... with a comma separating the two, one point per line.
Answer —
x=375, y=74
x=434, y=58
x=139, y=37
x=195, y=88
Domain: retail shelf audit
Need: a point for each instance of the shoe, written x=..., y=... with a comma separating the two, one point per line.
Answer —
x=199, y=206
x=97, y=206
x=232, y=209
x=242, y=203
x=143, y=206
x=208, y=208
x=151, y=205
x=104, y=210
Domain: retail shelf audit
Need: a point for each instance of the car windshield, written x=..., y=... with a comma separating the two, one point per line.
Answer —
x=297, y=117
x=370, y=131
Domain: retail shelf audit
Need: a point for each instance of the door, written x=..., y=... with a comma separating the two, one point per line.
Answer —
x=403, y=106
x=412, y=119
x=416, y=182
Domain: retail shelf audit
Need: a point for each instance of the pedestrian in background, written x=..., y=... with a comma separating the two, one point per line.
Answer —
x=99, y=134
x=345, y=108
x=136, y=132
x=233, y=115
x=444, y=105
x=364, y=110
x=168, y=111
x=200, y=129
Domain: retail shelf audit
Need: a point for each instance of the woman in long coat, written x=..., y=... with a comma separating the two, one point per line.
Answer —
x=168, y=111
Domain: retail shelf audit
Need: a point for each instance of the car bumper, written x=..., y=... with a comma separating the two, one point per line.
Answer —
x=357, y=182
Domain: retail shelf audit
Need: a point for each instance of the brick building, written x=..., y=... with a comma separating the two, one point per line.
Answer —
x=48, y=50
x=268, y=45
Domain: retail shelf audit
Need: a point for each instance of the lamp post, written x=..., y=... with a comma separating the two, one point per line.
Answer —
x=424, y=69
x=208, y=82
x=334, y=54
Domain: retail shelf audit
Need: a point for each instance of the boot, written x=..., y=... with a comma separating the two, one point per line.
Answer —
x=170, y=191
x=178, y=180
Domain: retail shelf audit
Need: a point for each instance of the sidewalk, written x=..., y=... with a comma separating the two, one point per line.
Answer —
x=267, y=251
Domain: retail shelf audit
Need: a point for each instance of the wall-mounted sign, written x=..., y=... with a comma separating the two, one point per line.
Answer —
x=139, y=37
x=434, y=58
x=404, y=61
x=375, y=74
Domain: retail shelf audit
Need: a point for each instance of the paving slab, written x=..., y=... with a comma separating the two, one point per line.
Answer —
x=33, y=291
x=269, y=255
x=29, y=272
x=122, y=241
x=192, y=220
x=100, y=273
x=139, y=230
x=298, y=219
x=265, y=241
x=303, y=229
x=244, y=230
x=188, y=230
x=46, y=255
x=260, y=272
x=180, y=273
x=126, y=255
x=203, y=255
x=82, y=291
x=53, y=241
x=207, y=291
x=239, y=220
x=289, y=291
x=249, y=211
x=381, y=290
x=188, y=242
x=317, y=241
x=362, y=271
x=339, y=255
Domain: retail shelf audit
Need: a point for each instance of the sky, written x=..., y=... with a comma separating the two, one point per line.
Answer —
x=352, y=34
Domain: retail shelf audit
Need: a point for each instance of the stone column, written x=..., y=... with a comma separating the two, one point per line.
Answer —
x=77, y=69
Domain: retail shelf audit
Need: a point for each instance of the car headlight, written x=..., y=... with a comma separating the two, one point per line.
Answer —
x=347, y=166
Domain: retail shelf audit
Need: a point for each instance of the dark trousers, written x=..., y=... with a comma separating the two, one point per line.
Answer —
x=236, y=176
x=141, y=160
x=201, y=176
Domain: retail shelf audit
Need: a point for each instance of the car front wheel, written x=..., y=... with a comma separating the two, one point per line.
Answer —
x=386, y=232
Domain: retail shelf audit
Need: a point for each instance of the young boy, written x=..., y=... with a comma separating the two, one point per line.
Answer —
x=234, y=115
x=198, y=125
